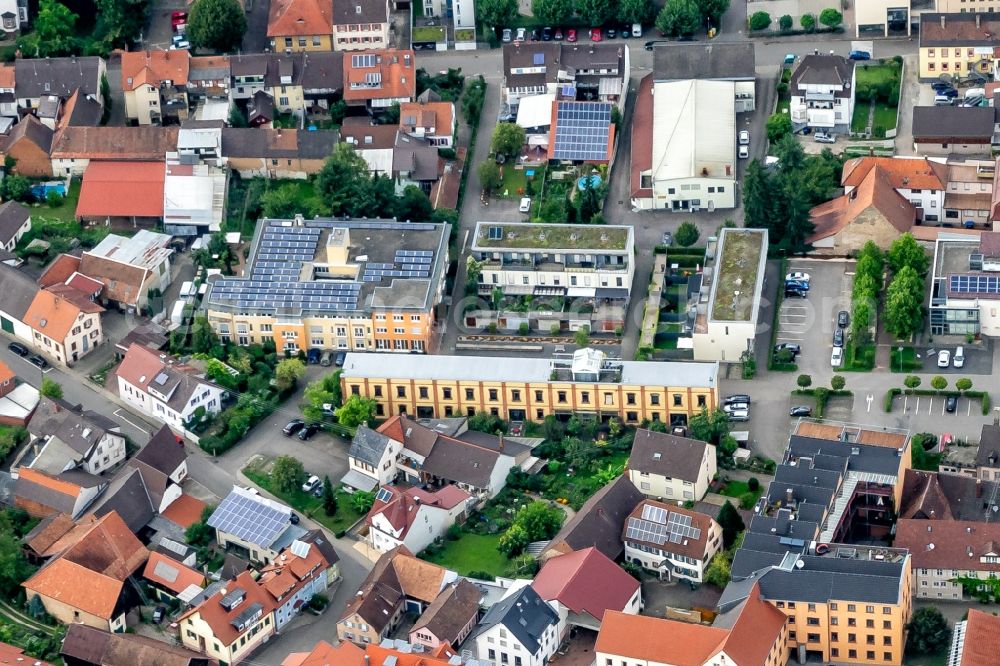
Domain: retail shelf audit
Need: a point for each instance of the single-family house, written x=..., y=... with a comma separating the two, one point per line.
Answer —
x=521, y=625
x=669, y=467
x=450, y=618
x=674, y=542
x=65, y=324
x=253, y=526
x=371, y=460
x=954, y=130
x=42, y=494
x=822, y=90
x=87, y=646
x=81, y=110
x=414, y=517
x=169, y=578
x=29, y=144
x=276, y=153
x=919, y=180
x=89, y=582
x=155, y=85
x=300, y=25
x=64, y=439
x=301, y=571
x=434, y=121
x=360, y=25
x=598, y=523
x=379, y=79
x=15, y=221
x=35, y=78
x=208, y=78
x=130, y=267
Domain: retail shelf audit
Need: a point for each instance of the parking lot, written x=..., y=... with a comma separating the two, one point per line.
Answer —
x=978, y=359
x=810, y=322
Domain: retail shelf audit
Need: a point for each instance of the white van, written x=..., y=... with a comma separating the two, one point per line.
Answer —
x=187, y=289
x=975, y=92
x=941, y=100
x=958, y=360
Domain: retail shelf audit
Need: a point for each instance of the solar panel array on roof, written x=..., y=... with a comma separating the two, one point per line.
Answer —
x=974, y=284
x=582, y=130
x=249, y=519
x=538, y=58
x=406, y=264
x=660, y=526
x=383, y=495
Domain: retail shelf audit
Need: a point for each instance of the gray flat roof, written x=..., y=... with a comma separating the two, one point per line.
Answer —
x=739, y=266
x=552, y=237
x=500, y=369
x=697, y=60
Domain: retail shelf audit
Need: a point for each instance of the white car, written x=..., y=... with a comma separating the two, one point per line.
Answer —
x=744, y=152
x=520, y=35
x=739, y=415
x=312, y=484
x=744, y=138
x=797, y=276
x=944, y=358
x=736, y=407
x=824, y=137
x=958, y=360
x=525, y=206
x=837, y=357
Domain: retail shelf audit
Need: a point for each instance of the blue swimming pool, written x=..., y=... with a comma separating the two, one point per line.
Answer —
x=41, y=190
x=595, y=181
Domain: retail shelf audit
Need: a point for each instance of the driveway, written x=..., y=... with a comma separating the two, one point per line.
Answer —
x=911, y=95
x=159, y=32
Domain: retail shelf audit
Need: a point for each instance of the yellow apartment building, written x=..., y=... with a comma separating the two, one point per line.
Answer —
x=521, y=389
x=958, y=44
x=337, y=285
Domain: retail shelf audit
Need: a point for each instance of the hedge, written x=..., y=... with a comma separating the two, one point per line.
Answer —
x=983, y=396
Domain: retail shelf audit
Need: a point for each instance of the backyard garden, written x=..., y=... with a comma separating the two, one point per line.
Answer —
x=877, y=97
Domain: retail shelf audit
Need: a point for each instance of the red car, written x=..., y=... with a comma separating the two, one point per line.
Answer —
x=178, y=18
x=595, y=35
x=571, y=34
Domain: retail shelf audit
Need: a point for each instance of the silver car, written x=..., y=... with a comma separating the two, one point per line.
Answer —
x=824, y=137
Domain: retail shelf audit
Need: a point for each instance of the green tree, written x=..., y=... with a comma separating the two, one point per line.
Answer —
x=16, y=187
x=14, y=568
x=497, y=12
x=582, y=336
x=731, y=523
x=861, y=323
x=760, y=21
x=216, y=25
x=785, y=22
x=489, y=175
x=756, y=187
x=53, y=32
x=679, y=17
x=804, y=381
x=963, y=384
x=555, y=12
x=905, y=251
x=414, y=206
x=200, y=534
x=709, y=426
x=391, y=115
x=595, y=12
x=808, y=22
x=287, y=473
x=539, y=520
x=486, y=422
x=939, y=383
x=713, y=10
x=355, y=411
x=288, y=372
x=798, y=226
x=635, y=11
x=343, y=183
x=203, y=338
x=831, y=18
x=837, y=383
x=911, y=381
x=282, y=201
x=51, y=389
x=237, y=118
x=719, y=569
x=325, y=391
x=513, y=541
x=778, y=125
x=362, y=502
x=928, y=632
x=687, y=234
x=588, y=203
x=903, y=303
x=508, y=139
x=120, y=22
x=329, y=498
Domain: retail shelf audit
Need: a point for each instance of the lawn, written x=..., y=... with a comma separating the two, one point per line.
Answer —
x=514, y=182
x=472, y=552
x=859, y=121
x=858, y=358
x=578, y=488
x=310, y=505
x=877, y=74
x=906, y=361
x=465, y=35
x=65, y=212
x=427, y=34
x=885, y=116
x=784, y=105
x=739, y=488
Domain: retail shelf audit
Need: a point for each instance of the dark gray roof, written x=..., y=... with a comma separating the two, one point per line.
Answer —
x=18, y=291
x=348, y=12
x=31, y=129
x=322, y=70
x=454, y=460
x=601, y=520
x=988, y=454
x=951, y=124
x=30, y=491
x=87, y=645
x=127, y=495
x=667, y=455
x=162, y=452
x=558, y=56
x=12, y=217
x=821, y=579
x=867, y=458
x=74, y=429
x=832, y=70
x=712, y=61
x=318, y=539
x=86, y=111
x=268, y=144
x=57, y=76
x=416, y=156
x=524, y=614
x=368, y=445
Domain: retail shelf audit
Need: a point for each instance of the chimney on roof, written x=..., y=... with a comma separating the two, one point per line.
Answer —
x=789, y=497
x=942, y=21
x=977, y=21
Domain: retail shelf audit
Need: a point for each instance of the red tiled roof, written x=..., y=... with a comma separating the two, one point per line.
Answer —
x=654, y=639
x=87, y=285
x=59, y=270
x=15, y=655
x=343, y=654
x=290, y=18
x=6, y=374
x=982, y=639
x=219, y=620
x=53, y=315
x=586, y=581
x=901, y=172
x=403, y=505
x=171, y=574
x=949, y=544
x=755, y=631
x=395, y=67
x=876, y=190
x=122, y=189
x=184, y=511
x=154, y=68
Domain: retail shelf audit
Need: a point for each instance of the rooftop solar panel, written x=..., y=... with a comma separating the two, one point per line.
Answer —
x=582, y=130
x=974, y=284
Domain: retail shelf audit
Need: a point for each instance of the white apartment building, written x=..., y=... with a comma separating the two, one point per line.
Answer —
x=822, y=91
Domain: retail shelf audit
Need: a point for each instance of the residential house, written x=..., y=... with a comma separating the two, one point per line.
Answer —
x=415, y=162
x=8, y=101
x=673, y=542
x=260, y=110
x=988, y=454
x=582, y=586
x=65, y=325
x=539, y=266
x=400, y=583
x=253, y=526
x=11, y=654
x=599, y=522
x=973, y=642
x=87, y=646
x=462, y=15
x=88, y=582
x=29, y=144
x=434, y=121
x=232, y=622
x=593, y=72
x=13, y=16
x=373, y=142
x=668, y=467
x=970, y=193
x=133, y=496
x=322, y=80
x=164, y=452
x=155, y=85
x=64, y=439
x=822, y=89
x=360, y=25
x=919, y=180
x=753, y=634
x=949, y=556
x=128, y=193
x=42, y=494
x=80, y=110
x=390, y=652
x=169, y=579
x=276, y=153
x=733, y=61
x=450, y=618
x=208, y=78
x=160, y=387
x=200, y=142
x=372, y=307
x=521, y=626
x=277, y=75
x=73, y=147
x=958, y=44
x=17, y=404
x=953, y=130
x=301, y=571
x=36, y=78
x=581, y=132
x=15, y=221
x=130, y=267
x=945, y=496
x=414, y=517
x=684, y=145
x=19, y=293
x=379, y=79
x=371, y=460
x=300, y=25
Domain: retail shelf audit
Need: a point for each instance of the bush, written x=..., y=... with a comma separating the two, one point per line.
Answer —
x=939, y=383
x=785, y=22
x=838, y=382
x=804, y=381
x=782, y=88
x=454, y=533
x=687, y=234
x=524, y=328
x=753, y=483
x=831, y=18
x=808, y=22
x=760, y=21
x=747, y=500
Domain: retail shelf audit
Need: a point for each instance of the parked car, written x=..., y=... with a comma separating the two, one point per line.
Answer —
x=950, y=404
x=546, y=34
x=38, y=361
x=737, y=407
x=311, y=483
x=798, y=276
x=838, y=337
x=18, y=349
x=944, y=358
x=521, y=35
x=943, y=100
x=788, y=346
x=307, y=431
x=571, y=35
x=942, y=85
x=595, y=35
x=558, y=35
x=339, y=358
x=610, y=33
x=313, y=355
x=293, y=518
x=293, y=427
x=736, y=397
x=797, y=284
x=789, y=59
x=792, y=292
x=958, y=360
x=326, y=359
x=525, y=205
x=508, y=36
x=668, y=239
x=837, y=357
x=159, y=613
x=179, y=42
x=740, y=415
x=637, y=30
x=533, y=35
x=651, y=44
x=824, y=137
x=860, y=55
x=743, y=152
x=843, y=319
x=801, y=410
x=948, y=92
x=744, y=138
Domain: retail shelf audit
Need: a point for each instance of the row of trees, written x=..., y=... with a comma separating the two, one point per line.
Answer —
x=536, y=521
x=938, y=383
x=831, y=18
x=904, y=297
x=498, y=13
x=868, y=280
x=685, y=17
